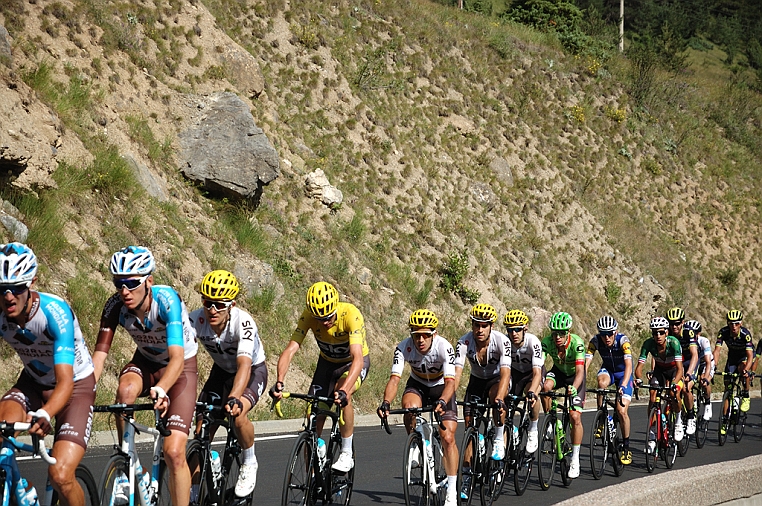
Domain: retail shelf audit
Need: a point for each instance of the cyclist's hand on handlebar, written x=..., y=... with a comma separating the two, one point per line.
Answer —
x=161, y=401
x=341, y=398
x=276, y=392
x=501, y=407
x=638, y=382
x=571, y=390
x=383, y=409
x=439, y=406
x=40, y=421
x=532, y=397
x=234, y=406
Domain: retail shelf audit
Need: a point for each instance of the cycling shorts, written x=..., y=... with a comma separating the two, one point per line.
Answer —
x=560, y=380
x=430, y=395
x=664, y=377
x=478, y=390
x=74, y=422
x=182, y=395
x=520, y=381
x=702, y=368
x=217, y=388
x=328, y=373
x=616, y=379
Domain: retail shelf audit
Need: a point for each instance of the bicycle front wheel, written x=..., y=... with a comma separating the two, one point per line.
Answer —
x=85, y=479
x=467, y=472
x=194, y=455
x=546, y=453
x=414, y=472
x=669, y=450
x=702, y=425
x=599, y=437
x=652, y=432
x=341, y=483
x=617, y=448
x=522, y=467
x=231, y=468
x=116, y=471
x=300, y=473
x=739, y=426
x=566, y=451
x=683, y=444
x=727, y=410
x=165, y=498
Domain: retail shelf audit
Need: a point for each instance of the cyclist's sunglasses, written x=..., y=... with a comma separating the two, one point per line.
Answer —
x=129, y=283
x=608, y=333
x=325, y=318
x=514, y=329
x=659, y=332
x=559, y=333
x=14, y=289
x=676, y=323
x=421, y=333
x=218, y=305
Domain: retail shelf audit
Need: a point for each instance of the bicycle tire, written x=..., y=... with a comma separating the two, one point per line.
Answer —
x=725, y=415
x=617, y=448
x=522, y=468
x=652, y=431
x=546, y=455
x=669, y=452
x=566, y=450
x=86, y=480
x=682, y=446
x=493, y=470
x=414, y=482
x=739, y=426
x=195, y=456
x=341, y=483
x=300, y=473
x=116, y=464
x=164, y=498
x=467, y=469
x=599, y=437
x=440, y=474
x=232, y=460
x=5, y=487
x=702, y=425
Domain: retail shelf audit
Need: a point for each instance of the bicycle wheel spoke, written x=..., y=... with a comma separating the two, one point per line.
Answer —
x=414, y=473
x=599, y=436
x=297, y=485
x=546, y=455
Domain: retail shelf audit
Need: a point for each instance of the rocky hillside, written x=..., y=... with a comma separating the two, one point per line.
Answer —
x=458, y=150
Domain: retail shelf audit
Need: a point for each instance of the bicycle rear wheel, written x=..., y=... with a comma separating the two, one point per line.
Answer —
x=739, y=425
x=727, y=409
x=414, y=473
x=546, y=453
x=467, y=472
x=522, y=467
x=566, y=449
x=85, y=479
x=116, y=467
x=194, y=455
x=341, y=483
x=702, y=426
x=300, y=473
x=599, y=437
x=669, y=449
x=616, y=448
x=683, y=444
x=652, y=433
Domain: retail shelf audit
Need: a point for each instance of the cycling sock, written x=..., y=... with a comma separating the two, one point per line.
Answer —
x=249, y=457
x=499, y=432
x=626, y=442
x=452, y=482
x=679, y=418
x=533, y=425
x=745, y=394
x=346, y=444
x=691, y=414
x=575, y=452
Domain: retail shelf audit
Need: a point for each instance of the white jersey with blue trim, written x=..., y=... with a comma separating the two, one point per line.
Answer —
x=50, y=337
x=498, y=355
x=239, y=339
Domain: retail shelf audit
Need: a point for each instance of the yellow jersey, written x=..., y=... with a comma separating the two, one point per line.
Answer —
x=348, y=329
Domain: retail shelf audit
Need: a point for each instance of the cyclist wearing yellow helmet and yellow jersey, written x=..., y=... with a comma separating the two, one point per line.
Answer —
x=339, y=329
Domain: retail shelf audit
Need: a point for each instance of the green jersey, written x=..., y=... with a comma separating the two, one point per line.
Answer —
x=667, y=360
x=574, y=354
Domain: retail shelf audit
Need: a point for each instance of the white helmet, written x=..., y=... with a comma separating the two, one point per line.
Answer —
x=132, y=261
x=607, y=324
x=659, y=322
x=18, y=265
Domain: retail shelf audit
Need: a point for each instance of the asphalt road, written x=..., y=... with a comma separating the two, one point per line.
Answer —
x=378, y=478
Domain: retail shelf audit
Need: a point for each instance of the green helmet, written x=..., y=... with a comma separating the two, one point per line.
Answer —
x=560, y=321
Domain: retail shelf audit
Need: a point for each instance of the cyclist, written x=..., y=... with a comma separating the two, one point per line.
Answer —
x=527, y=368
x=615, y=350
x=339, y=330
x=239, y=373
x=740, y=352
x=668, y=369
x=431, y=381
x=706, y=365
x=567, y=351
x=164, y=364
x=489, y=353
x=689, y=346
x=57, y=378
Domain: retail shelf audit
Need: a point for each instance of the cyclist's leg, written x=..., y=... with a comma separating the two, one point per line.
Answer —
x=622, y=411
x=449, y=446
x=132, y=384
x=548, y=385
x=577, y=430
x=604, y=380
x=412, y=397
x=347, y=430
x=68, y=455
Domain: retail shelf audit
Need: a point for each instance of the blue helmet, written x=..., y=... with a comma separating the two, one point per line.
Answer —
x=132, y=261
x=18, y=264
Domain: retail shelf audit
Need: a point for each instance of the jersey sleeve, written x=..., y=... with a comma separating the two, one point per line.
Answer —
x=171, y=310
x=645, y=350
x=718, y=342
x=461, y=348
x=505, y=359
x=356, y=327
x=61, y=327
x=248, y=336
x=109, y=323
x=578, y=346
x=448, y=369
x=676, y=349
x=538, y=360
x=592, y=347
x=398, y=365
x=626, y=346
x=302, y=327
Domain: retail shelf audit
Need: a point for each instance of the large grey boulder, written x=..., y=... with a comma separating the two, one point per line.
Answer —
x=5, y=45
x=225, y=151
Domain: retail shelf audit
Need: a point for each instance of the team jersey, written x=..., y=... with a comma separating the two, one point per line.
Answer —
x=528, y=355
x=672, y=354
x=50, y=337
x=240, y=338
x=704, y=348
x=737, y=345
x=613, y=357
x=430, y=369
x=165, y=324
x=334, y=343
x=574, y=353
x=688, y=344
x=498, y=354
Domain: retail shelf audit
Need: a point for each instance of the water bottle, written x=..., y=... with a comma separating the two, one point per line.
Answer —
x=321, y=452
x=144, y=488
x=216, y=466
x=481, y=445
x=25, y=497
x=515, y=437
x=612, y=428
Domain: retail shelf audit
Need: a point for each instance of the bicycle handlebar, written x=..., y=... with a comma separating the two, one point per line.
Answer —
x=38, y=443
x=413, y=410
x=161, y=425
x=606, y=391
x=305, y=397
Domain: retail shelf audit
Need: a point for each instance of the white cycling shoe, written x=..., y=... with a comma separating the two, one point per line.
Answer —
x=532, y=441
x=691, y=427
x=247, y=480
x=708, y=411
x=574, y=469
x=344, y=463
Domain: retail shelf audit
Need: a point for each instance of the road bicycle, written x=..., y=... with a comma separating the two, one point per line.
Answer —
x=476, y=464
x=700, y=402
x=605, y=434
x=660, y=432
x=124, y=475
x=516, y=457
x=309, y=476
x=424, y=479
x=731, y=409
x=10, y=475
x=555, y=442
x=208, y=485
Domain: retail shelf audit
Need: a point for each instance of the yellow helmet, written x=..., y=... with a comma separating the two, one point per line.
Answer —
x=483, y=313
x=219, y=285
x=675, y=314
x=515, y=318
x=322, y=299
x=424, y=318
x=734, y=315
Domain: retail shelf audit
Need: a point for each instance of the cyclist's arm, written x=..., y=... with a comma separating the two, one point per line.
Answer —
x=63, y=389
x=174, y=368
x=536, y=380
x=579, y=376
x=746, y=366
x=591, y=349
x=109, y=322
x=458, y=374
x=355, y=350
x=284, y=361
x=693, y=365
x=449, y=389
x=627, y=370
x=679, y=372
x=502, y=386
x=241, y=380
x=639, y=369
x=390, y=392
x=708, y=368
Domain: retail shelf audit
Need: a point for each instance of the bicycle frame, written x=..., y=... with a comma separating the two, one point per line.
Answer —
x=565, y=419
x=9, y=469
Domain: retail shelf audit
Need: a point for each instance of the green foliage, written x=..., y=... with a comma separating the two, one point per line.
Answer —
x=140, y=131
x=643, y=66
x=613, y=292
x=354, y=230
x=453, y=273
x=43, y=216
x=728, y=277
x=247, y=232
